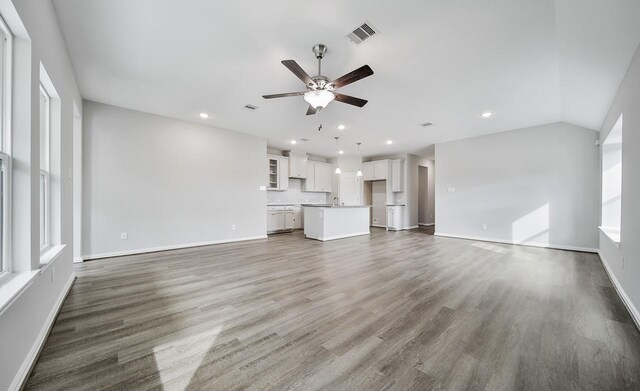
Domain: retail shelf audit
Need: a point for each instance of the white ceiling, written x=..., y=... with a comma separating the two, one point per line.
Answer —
x=530, y=62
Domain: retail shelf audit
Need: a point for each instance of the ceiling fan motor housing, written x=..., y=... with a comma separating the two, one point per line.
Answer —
x=319, y=50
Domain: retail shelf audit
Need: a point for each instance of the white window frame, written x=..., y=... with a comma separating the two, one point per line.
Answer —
x=6, y=56
x=44, y=179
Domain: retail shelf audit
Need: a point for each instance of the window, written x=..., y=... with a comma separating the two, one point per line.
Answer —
x=5, y=157
x=45, y=210
x=612, y=182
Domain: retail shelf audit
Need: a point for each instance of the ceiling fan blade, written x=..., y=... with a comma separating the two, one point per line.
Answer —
x=351, y=100
x=283, y=95
x=299, y=72
x=311, y=110
x=353, y=76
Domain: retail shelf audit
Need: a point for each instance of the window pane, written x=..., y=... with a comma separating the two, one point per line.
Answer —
x=44, y=130
x=2, y=228
x=43, y=209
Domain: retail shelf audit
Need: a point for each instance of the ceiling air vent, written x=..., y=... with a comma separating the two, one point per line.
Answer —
x=426, y=124
x=362, y=33
x=250, y=107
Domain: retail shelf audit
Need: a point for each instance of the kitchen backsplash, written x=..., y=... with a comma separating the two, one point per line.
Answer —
x=295, y=195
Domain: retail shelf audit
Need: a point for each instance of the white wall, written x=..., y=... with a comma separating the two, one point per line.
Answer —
x=536, y=186
x=24, y=323
x=623, y=263
x=166, y=182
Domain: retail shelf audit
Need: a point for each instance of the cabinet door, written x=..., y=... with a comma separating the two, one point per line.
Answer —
x=380, y=170
x=297, y=165
x=275, y=221
x=367, y=171
x=283, y=177
x=323, y=177
x=396, y=176
x=297, y=216
x=273, y=171
x=391, y=220
x=310, y=183
x=289, y=219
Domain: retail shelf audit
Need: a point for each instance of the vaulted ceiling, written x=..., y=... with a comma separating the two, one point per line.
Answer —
x=529, y=62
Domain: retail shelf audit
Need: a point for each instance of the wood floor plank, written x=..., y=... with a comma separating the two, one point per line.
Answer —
x=389, y=311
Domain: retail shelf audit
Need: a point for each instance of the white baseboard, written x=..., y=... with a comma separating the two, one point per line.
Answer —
x=412, y=227
x=27, y=365
x=325, y=238
x=529, y=244
x=378, y=226
x=635, y=314
x=165, y=248
x=426, y=224
x=78, y=260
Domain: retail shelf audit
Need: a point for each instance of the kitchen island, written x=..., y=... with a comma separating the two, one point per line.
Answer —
x=329, y=222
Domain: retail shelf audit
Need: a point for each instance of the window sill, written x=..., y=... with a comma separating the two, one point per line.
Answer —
x=48, y=256
x=612, y=233
x=13, y=286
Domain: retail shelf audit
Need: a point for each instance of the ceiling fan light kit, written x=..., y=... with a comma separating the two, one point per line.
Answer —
x=320, y=89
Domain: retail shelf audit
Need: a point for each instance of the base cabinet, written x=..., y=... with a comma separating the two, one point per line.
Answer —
x=283, y=218
x=395, y=217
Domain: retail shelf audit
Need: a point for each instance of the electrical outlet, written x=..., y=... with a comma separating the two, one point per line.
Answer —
x=484, y=227
x=375, y=220
x=263, y=188
x=233, y=227
x=124, y=236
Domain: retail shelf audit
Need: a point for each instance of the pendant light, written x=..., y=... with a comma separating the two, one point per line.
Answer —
x=338, y=170
x=359, y=173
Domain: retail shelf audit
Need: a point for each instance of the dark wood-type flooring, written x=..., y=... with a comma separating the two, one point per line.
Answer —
x=389, y=311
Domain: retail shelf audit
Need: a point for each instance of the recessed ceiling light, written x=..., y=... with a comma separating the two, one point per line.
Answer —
x=487, y=114
x=294, y=142
x=389, y=142
x=341, y=152
x=204, y=115
x=341, y=127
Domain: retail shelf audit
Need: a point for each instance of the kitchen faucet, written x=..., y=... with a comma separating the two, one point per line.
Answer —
x=337, y=200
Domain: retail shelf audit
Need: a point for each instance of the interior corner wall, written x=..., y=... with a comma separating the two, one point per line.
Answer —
x=167, y=183
x=535, y=186
x=623, y=262
x=25, y=322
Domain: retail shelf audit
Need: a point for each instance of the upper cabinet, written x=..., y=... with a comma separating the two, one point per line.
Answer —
x=277, y=172
x=318, y=177
x=297, y=165
x=396, y=175
x=376, y=170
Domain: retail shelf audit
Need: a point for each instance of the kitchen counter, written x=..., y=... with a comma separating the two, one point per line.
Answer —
x=329, y=222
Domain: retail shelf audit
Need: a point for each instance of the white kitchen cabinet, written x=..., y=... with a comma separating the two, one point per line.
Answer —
x=289, y=218
x=297, y=165
x=319, y=177
x=396, y=175
x=367, y=171
x=380, y=170
x=395, y=214
x=297, y=217
x=376, y=170
x=275, y=219
x=277, y=172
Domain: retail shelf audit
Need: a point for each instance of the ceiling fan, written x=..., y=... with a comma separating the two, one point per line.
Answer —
x=320, y=90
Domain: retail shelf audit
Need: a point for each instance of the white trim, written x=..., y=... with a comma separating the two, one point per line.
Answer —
x=633, y=311
x=165, y=248
x=48, y=256
x=426, y=224
x=613, y=234
x=412, y=227
x=30, y=360
x=326, y=238
x=12, y=288
x=78, y=260
x=378, y=226
x=529, y=244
